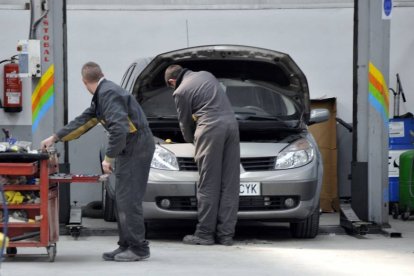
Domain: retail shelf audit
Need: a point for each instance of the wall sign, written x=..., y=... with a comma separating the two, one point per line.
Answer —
x=386, y=9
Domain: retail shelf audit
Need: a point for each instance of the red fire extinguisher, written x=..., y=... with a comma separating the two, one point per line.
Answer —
x=12, y=96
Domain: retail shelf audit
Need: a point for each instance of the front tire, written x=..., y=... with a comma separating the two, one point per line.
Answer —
x=108, y=207
x=306, y=229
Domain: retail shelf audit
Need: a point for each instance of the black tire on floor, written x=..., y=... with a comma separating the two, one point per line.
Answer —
x=93, y=210
x=306, y=229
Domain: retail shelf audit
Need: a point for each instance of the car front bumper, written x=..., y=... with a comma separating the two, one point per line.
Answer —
x=304, y=193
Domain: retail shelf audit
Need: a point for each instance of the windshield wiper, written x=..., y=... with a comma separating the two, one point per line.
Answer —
x=162, y=117
x=256, y=117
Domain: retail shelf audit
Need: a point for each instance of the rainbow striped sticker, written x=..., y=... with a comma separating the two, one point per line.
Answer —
x=378, y=92
x=43, y=97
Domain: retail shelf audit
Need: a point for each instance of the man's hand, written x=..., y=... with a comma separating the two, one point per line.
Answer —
x=48, y=142
x=107, y=167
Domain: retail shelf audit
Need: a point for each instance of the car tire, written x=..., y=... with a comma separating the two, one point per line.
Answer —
x=108, y=193
x=306, y=229
x=108, y=206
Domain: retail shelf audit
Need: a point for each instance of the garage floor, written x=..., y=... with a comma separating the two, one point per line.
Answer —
x=260, y=249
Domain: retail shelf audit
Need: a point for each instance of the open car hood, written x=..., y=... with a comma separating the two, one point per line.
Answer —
x=231, y=61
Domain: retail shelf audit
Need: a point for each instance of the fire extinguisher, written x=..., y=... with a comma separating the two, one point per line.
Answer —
x=12, y=96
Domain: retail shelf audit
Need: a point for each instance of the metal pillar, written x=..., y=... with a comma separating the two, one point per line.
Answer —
x=371, y=105
x=49, y=92
x=49, y=97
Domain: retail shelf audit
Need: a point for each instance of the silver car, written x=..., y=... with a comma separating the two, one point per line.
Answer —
x=280, y=166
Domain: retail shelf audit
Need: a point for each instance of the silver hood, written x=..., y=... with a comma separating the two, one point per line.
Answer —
x=232, y=61
x=246, y=149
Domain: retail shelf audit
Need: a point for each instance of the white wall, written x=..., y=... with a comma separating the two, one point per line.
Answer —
x=320, y=41
x=402, y=56
x=14, y=26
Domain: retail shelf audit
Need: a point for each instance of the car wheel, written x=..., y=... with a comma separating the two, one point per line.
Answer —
x=306, y=229
x=108, y=206
x=108, y=193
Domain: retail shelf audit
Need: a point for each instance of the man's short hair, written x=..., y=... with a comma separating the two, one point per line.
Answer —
x=91, y=72
x=172, y=72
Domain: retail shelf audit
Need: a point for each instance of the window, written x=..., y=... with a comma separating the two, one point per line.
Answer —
x=126, y=77
x=250, y=98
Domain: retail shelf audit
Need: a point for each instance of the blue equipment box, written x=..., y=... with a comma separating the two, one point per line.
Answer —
x=401, y=139
x=401, y=132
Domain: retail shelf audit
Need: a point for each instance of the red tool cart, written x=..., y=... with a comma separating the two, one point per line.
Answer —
x=37, y=223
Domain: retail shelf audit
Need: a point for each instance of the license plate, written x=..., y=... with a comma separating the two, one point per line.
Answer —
x=249, y=189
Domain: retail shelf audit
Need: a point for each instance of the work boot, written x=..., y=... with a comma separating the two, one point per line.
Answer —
x=109, y=256
x=228, y=241
x=192, y=239
x=130, y=256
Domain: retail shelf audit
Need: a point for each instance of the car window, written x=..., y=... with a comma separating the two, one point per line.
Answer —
x=247, y=97
x=127, y=76
x=159, y=103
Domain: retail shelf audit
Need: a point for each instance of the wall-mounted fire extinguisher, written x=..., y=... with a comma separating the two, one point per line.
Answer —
x=12, y=94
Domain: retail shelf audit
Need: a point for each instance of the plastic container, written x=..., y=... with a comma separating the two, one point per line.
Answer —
x=406, y=185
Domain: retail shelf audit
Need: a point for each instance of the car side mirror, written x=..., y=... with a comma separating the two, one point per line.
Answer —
x=319, y=115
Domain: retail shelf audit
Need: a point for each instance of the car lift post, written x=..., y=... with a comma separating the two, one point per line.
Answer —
x=48, y=24
x=368, y=210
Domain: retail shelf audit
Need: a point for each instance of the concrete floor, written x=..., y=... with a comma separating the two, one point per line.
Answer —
x=260, y=249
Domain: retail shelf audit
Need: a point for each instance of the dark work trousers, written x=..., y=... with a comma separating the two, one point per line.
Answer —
x=131, y=172
x=217, y=153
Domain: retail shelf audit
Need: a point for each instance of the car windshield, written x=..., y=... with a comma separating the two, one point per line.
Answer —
x=250, y=101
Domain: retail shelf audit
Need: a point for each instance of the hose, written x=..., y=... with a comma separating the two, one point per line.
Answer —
x=33, y=25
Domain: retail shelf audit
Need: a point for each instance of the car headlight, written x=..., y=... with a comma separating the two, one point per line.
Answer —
x=164, y=159
x=297, y=154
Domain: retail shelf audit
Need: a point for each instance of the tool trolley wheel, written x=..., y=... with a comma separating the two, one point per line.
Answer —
x=395, y=211
x=405, y=215
x=75, y=231
x=51, y=251
x=11, y=251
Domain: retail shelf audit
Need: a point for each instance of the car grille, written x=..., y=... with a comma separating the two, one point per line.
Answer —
x=249, y=164
x=258, y=163
x=187, y=164
x=246, y=203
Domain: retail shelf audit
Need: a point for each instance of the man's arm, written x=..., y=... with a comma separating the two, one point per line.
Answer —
x=73, y=130
x=185, y=117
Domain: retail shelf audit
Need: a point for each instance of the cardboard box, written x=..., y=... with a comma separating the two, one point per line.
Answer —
x=325, y=135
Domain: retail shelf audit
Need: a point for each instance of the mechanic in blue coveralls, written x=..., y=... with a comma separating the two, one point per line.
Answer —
x=129, y=151
x=207, y=119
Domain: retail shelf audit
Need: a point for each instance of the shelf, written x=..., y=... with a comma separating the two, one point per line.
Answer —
x=33, y=187
x=21, y=225
x=74, y=178
x=22, y=206
x=18, y=168
x=28, y=244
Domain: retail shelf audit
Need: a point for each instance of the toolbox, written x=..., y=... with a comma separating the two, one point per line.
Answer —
x=36, y=224
x=39, y=221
